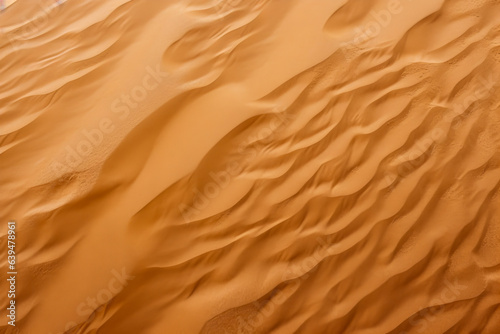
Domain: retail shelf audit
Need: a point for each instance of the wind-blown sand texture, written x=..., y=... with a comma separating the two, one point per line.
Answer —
x=251, y=166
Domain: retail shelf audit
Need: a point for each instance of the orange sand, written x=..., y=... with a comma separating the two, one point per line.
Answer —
x=251, y=166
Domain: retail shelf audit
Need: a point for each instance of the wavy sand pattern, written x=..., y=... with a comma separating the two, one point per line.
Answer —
x=252, y=166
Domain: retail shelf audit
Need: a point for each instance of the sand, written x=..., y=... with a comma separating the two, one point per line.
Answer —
x=251, y=166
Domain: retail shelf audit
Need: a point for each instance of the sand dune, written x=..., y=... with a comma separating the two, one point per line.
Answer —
x=251, y=166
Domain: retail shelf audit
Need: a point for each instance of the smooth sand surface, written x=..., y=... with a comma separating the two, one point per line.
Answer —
x=251, y=166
